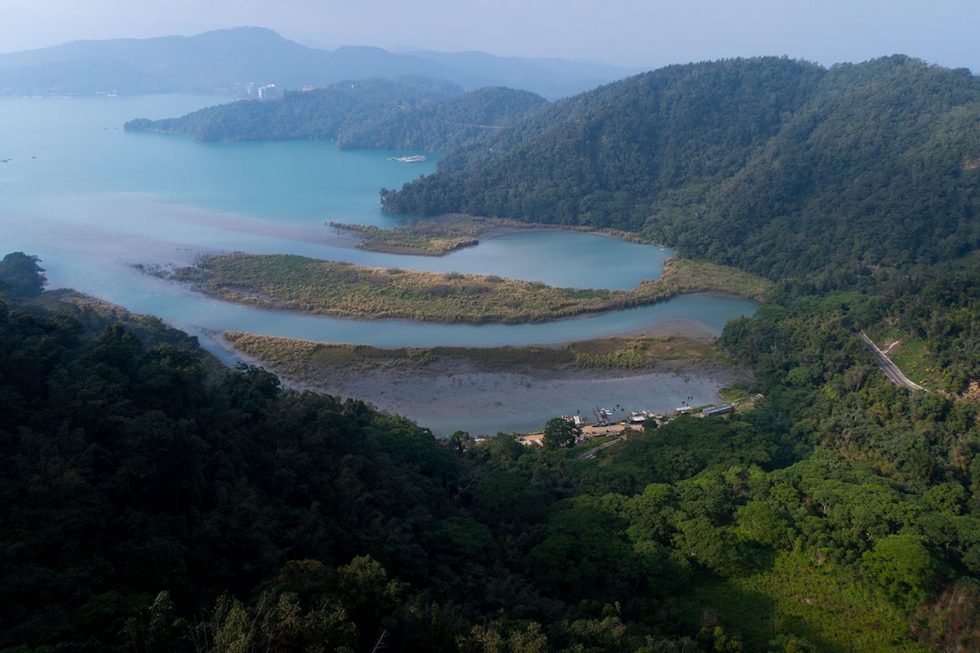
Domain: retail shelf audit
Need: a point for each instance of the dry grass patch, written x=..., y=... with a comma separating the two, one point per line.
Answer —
x=353, y=291
x=306, y=361
x=441, y=236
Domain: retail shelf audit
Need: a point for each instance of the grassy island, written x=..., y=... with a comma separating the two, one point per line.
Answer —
x=306, y=361
x=353, y=291
x=424, y=238
x=446, y=234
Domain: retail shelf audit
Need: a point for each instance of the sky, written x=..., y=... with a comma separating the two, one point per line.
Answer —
x=634, y=33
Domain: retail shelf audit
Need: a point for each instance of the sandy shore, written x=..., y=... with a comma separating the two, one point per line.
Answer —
x=484, y=403
x=450, y=393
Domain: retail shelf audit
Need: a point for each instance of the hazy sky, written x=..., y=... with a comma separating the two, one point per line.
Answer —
x=638, y=33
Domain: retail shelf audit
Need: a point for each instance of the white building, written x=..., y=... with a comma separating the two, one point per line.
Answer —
x=269, y=92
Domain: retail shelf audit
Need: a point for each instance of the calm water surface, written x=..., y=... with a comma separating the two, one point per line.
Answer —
x=92, y=201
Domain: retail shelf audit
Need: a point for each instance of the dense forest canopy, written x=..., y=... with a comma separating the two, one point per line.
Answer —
x=21, y=275
x=318, y=114
x=405, y=113
x=746, y=162
x=443, y=126
x=154, y=503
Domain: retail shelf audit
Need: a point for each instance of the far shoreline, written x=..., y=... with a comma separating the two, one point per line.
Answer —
x=445, y=234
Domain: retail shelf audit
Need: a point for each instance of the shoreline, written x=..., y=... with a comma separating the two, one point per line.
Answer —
x=503, y=389
x=443, y=235
x=488, y=403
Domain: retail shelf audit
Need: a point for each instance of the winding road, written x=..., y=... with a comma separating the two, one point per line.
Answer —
x=594, y=451
x=890, y=369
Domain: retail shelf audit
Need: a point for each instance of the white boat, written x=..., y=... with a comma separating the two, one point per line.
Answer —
x=415, y=158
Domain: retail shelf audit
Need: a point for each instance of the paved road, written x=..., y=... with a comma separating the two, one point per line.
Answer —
x=591, y=453
x=889, y=368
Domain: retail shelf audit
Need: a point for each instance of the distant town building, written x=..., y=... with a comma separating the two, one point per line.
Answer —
x=269, y=92
x=532, y=440
x=723, y=409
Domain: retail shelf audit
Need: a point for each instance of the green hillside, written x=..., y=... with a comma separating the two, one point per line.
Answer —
x=443, y=126
x=149, y=504
x=751, y=163
x=404, y=113
x=318, y=114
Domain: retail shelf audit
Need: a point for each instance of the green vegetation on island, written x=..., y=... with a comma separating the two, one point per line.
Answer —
x=423, y=238
x=770, y=165
x=348, y=290
x=320, y=114
x=448, y=233
x=407, y=113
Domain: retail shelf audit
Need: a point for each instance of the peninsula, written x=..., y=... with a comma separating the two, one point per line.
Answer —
x=347, y=290
x=448, y=233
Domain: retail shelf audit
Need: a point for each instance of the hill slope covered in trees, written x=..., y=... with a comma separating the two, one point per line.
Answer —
x=151, y=505
x=749, y=163
x=318, y=114
x=443, y=126
x=405, y=113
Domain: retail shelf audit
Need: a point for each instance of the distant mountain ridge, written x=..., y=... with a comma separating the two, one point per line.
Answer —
x=550, y=77
x=772, y=165
x=224, y=61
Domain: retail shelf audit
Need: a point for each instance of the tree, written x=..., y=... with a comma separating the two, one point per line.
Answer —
x=21, y=275
x=714, y=547
x=504, y=637
x=559, y=432
x=459, y=441
x=368, y=595
x=157, y=629
x=763, y=522
x=790, y=644
x=903, y=566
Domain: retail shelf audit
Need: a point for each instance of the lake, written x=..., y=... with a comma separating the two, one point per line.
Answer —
x=75, y=171
x=92, y=201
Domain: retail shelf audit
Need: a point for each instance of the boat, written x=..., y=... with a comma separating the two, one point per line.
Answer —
x=639, y=416
x=415, y=158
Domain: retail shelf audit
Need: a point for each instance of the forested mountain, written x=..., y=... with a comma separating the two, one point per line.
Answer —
x=405, y=113
x=148, y=504
x=745, y=162
x=224, y=61
x=443, y=126
x=326, y=113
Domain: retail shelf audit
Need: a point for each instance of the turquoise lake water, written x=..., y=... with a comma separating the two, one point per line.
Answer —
x=92, y=201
